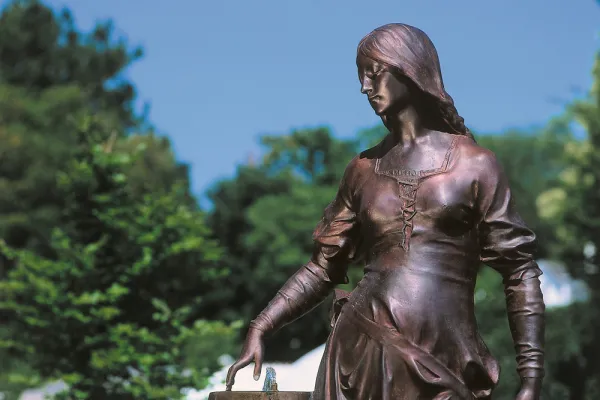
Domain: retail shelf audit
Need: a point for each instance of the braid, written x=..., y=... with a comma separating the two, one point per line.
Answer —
x=454, y=121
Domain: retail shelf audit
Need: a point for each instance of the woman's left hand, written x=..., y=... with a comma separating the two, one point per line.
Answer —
x=531, y=389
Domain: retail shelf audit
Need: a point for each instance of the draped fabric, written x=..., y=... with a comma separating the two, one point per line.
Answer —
x=408, y=330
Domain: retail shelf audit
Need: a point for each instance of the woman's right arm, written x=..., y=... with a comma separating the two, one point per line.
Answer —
x=335, y=240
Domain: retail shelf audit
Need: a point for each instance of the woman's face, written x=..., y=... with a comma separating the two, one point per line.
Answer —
x=385, y=91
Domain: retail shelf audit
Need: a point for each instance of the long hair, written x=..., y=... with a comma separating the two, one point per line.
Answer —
x=408, y=51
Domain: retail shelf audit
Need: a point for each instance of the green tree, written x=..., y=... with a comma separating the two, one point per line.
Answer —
x=109, y=312
x=41, y=49
x=564, y=327
x=31, y=153
x=37, y=140
x=572, y=206
x=51, y=71
x=264, y=218
x=228, y=222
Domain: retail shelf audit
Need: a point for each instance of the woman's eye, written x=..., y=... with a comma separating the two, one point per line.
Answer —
x=371, y=75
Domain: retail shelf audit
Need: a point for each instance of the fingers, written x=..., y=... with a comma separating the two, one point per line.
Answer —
x=241, y=363
x=257, y=365
x=231, y=373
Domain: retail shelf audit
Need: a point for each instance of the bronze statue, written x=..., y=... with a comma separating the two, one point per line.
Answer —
x=422, y=209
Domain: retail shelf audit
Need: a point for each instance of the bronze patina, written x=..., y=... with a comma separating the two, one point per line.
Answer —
x=422, y=210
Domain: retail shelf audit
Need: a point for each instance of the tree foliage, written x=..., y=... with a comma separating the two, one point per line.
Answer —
x=264, y=218
x=118, y=284
x=571, y=206
x=51, y=72
x=41, y=49
x=109, y=311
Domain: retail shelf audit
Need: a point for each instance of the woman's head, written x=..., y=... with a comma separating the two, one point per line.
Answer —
x=408, y=54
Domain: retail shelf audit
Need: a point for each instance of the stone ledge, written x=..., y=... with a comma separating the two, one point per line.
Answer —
x=233, y=395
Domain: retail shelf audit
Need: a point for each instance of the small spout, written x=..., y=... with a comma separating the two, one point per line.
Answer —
x=270, y=384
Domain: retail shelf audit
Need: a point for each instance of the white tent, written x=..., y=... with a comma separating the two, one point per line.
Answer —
x=558, y=287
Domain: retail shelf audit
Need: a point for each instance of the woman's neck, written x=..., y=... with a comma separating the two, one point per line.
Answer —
x=405, y=126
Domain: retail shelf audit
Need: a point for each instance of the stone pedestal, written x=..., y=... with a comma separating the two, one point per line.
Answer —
x=233, y=395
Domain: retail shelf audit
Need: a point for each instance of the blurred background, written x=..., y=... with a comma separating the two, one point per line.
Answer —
x=163, y=165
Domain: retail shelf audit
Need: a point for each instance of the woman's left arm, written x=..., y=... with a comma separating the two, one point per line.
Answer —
x=507, y=245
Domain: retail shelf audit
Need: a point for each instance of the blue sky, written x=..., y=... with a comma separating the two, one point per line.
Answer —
x=220, y=73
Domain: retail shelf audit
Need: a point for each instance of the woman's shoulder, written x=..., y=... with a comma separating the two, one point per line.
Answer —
x=360, y=168
x=364, y=161
x=476, y=157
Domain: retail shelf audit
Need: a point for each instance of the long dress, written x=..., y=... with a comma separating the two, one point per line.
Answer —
x=408, y=330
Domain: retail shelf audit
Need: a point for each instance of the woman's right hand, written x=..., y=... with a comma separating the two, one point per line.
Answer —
x=253, y=350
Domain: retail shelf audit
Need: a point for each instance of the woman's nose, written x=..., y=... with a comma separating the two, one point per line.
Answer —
x=365, y=87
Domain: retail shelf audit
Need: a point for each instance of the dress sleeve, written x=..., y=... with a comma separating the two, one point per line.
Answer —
x=507, y=245
x=336, y=237
x=335, y=241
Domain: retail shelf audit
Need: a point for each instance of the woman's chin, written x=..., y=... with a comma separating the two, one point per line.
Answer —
x=380, y=111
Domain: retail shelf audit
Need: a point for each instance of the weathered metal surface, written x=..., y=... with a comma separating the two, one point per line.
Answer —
x=238, y=395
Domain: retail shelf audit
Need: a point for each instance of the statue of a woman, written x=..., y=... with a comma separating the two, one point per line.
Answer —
x=423, y=209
